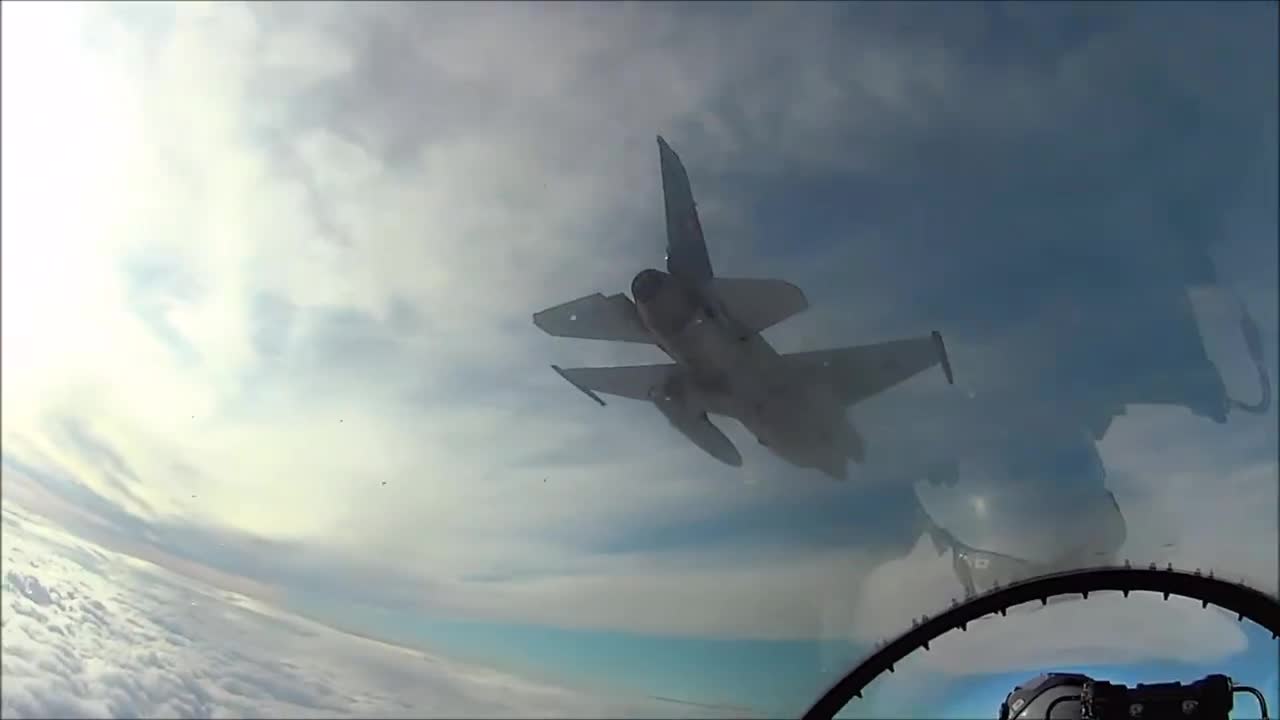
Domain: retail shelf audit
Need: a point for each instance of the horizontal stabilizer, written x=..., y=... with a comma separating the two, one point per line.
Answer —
x=857, y=373
x=585, y=390
x=629, y=381
x=759, y=304
x=595, y=317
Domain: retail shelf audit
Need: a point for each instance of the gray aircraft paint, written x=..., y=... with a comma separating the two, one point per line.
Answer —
x=710, y=327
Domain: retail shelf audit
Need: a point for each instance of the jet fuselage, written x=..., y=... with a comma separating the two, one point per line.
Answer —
x=738, y=374
x=794, y=403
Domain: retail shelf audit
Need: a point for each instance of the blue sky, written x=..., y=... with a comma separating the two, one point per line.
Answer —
x=266, y=321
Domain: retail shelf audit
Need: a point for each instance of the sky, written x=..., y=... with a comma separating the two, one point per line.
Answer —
x=265, y=299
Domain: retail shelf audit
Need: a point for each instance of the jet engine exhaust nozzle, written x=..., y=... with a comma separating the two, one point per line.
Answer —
x=647, y=284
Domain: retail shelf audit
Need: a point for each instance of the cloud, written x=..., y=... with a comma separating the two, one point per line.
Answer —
x=266, y=318
x=90, y=633
x=637, y=588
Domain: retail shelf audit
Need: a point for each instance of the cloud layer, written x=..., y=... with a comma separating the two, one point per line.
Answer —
x=90, y=633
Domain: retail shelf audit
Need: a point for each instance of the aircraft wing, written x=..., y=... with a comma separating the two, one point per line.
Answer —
x=595, y=317
x=629, y=381
x=857, y=373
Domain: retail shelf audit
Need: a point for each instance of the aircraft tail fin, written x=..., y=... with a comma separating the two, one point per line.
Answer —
x=687, y=256
x=759, y=304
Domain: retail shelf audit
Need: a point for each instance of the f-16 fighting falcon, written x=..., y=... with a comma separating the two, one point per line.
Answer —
x=794, y=404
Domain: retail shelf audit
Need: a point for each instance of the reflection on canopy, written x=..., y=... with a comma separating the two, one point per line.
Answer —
x=1008, y=474
x=1016, y=460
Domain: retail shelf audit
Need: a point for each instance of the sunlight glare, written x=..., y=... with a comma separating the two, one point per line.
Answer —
x=69, y=131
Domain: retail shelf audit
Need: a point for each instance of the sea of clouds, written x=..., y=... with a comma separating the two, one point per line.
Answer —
x=88, y=632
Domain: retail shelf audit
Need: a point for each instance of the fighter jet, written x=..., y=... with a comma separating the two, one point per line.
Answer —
x=795, y=404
